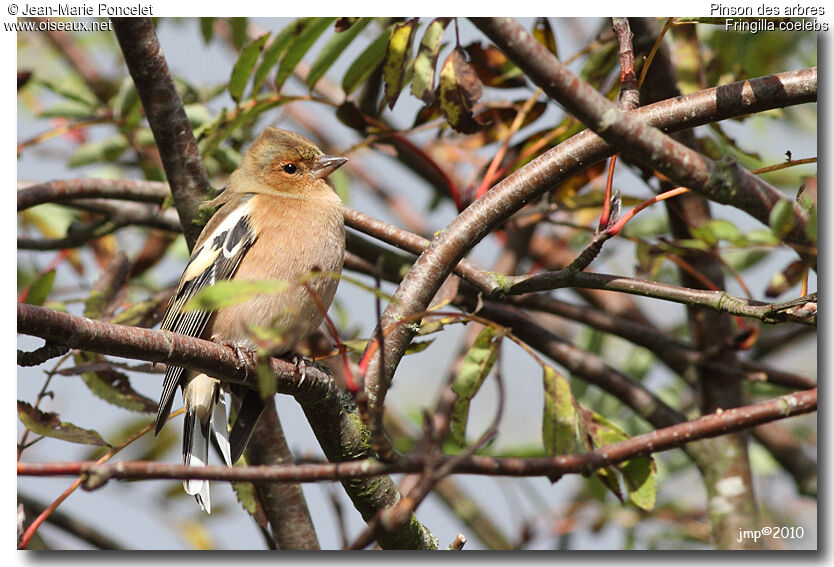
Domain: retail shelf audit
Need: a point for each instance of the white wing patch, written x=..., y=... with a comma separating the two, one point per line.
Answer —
x=215, y=260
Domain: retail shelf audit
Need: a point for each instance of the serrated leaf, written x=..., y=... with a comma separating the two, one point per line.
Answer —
x=244, y=65
x=782, y=218
x=231, y=292
x=366, y=63
x=474, y=369
x=94, y=152
x=49, y=425
x=248, y=498
x=299, y=47
x=397, y=57
x=422, y=85
x=274, y=51
x=40, y=288
x=331, y=51
x=544, y=33
x=459, y=89
x=207, y=29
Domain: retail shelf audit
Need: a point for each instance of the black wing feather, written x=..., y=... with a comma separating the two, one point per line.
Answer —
x=231, y=245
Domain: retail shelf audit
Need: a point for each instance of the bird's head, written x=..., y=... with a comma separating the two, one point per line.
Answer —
x=287, y=161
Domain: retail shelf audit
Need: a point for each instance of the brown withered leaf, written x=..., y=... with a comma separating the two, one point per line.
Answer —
x=350, y=115
x=427, y=113
x=343, y=24
x=493, y=67
x=459, y=90
x=786, y=279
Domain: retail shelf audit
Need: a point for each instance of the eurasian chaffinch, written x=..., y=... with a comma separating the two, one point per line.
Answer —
x=279, y=219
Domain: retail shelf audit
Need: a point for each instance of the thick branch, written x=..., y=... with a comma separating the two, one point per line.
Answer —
x=67, y=190
x=338, y=428
x=166, y=116
x=723, y=181
x=545, y=172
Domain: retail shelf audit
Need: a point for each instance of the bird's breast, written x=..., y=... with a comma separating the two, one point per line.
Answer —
x=300, y=245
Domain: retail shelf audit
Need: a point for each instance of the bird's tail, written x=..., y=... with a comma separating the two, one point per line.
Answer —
x=205, y=403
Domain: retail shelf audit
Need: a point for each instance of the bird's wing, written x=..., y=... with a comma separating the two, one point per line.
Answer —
x=216, y=259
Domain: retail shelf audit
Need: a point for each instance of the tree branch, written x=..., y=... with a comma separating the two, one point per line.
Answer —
x=166, y=116
x=673, y=437
x=723, y=181
x=545, y=172
x=337, y=427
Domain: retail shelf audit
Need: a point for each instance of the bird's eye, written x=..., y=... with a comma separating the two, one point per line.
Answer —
x=289, y=168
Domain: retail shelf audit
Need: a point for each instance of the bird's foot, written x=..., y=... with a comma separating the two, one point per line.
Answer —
x=245, y=355
x=300, y=367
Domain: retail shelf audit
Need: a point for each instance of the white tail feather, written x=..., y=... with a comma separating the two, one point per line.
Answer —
x=220, y=424
x=195, y=452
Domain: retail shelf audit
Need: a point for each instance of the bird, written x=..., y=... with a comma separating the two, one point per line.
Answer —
x=278, y=219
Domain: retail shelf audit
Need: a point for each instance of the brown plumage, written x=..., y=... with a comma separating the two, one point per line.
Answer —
x=278, y=220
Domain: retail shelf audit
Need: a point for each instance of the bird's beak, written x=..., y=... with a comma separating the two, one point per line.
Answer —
x=325, y=165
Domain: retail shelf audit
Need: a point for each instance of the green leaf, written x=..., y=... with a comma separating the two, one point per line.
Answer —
x=70, y=87
x=49, y=425
x=562, y=431
x=94, y=152
x=240, y=31
x=40, y=288
x=126, y=105
x=227, y=292
x=397, y=57
x=244, y=66
x=207, y=29
x=422, y=85
x=715, y=230
x=114, y=388
x=299, y=47
x=460, y=88
x=761, y=237
x=474, y=369
x=267, y=381
x=639, y=473
x=366, y=63
x=274, y=51
x=331, y=51
x=782, y=218
x=71, y=109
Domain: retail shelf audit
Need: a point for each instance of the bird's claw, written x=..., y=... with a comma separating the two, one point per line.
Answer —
x=244, y=355
x=301, y=367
